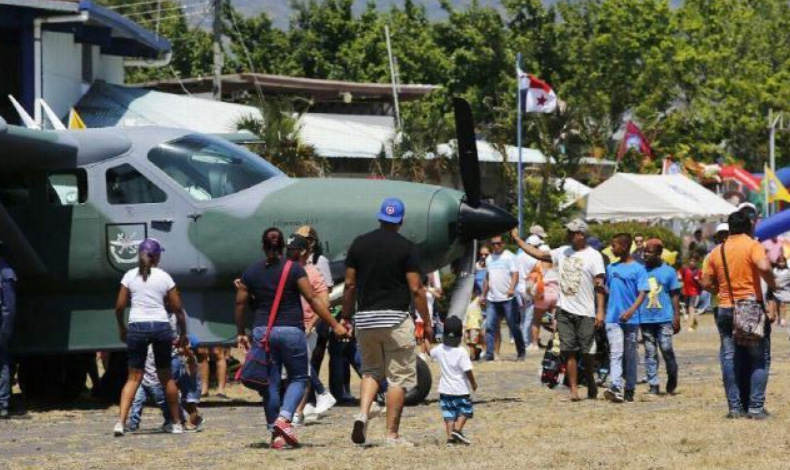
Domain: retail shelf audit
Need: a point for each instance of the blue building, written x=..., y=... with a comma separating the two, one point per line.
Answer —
x=55, y=49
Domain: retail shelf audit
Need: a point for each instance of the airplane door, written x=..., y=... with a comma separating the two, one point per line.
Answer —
x=139, y=205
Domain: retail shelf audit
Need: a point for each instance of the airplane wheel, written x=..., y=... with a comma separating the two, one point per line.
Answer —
x=417, y=395
x=52, y=378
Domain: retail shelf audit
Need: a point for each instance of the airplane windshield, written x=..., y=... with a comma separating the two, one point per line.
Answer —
x=210, y=168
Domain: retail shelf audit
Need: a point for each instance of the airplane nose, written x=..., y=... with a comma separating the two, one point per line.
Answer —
x=484, y=221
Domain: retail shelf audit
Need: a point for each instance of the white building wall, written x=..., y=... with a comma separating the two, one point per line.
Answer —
x=62, y=70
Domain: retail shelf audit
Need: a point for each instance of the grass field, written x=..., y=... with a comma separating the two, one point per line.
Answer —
x=518, y=424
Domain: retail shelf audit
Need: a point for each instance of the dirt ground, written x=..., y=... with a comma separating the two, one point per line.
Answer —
x=517, y=424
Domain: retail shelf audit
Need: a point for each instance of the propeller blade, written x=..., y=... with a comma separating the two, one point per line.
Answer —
x=464, y=284
x=467, y=151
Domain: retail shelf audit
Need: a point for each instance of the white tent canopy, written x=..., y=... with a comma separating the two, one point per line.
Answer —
x=627, y=196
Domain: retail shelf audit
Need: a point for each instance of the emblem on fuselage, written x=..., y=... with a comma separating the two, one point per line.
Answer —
x=122, y=243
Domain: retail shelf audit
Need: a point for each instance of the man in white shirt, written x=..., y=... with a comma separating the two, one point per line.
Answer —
x=499, y=297
x=582, y=275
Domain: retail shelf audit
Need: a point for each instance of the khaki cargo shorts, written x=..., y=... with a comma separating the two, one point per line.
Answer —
x=389, y=353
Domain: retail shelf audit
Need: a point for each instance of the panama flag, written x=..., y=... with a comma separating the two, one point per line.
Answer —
x=535, y=94
x=776, y=190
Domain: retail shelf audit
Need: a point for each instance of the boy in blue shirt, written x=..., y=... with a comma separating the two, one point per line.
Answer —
x=660, y=316
x=626, y=282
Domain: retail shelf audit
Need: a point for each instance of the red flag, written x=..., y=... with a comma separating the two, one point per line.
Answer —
x=633, y=139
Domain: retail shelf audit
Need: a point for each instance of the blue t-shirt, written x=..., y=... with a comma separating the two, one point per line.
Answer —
x=657, y=307
x=625, y=281
x=262, y=282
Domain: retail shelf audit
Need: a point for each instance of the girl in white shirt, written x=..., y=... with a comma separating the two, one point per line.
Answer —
x=152, y=291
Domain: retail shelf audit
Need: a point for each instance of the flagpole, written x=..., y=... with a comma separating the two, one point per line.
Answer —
x=518, y=142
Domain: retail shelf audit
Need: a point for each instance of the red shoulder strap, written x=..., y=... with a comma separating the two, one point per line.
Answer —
x=276, y=304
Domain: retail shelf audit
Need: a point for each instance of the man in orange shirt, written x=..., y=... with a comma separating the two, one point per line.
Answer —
x=744, y=368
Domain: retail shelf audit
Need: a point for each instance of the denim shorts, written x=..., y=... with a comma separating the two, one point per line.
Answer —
x=454, y=406
x=141, y=334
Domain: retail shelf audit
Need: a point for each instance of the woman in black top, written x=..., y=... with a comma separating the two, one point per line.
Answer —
x=287, y=342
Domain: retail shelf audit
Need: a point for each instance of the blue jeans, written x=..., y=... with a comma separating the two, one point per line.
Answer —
x=526, y=311
x=288, y=347
x=744, y=369
x=143, y=392
x=659, y=336
x=5, y=377
x=622, y=354
x=494, y=313
x=704, y=301
x=342, y=355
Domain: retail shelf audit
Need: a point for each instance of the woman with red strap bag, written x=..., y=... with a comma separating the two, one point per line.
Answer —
x=273, y=287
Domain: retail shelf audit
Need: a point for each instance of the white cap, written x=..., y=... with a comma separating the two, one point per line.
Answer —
x=534, y=240
x=744, y=205
x=545, y=248
x=723, y=227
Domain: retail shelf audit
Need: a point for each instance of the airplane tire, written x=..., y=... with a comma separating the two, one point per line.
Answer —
x=417, y=395
x=52, y=378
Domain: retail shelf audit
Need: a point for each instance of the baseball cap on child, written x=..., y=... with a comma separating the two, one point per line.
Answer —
x=392, y=211
x=453, y=331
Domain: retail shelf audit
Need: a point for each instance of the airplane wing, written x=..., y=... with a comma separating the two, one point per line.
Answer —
x=21, y=150
x=31, y=149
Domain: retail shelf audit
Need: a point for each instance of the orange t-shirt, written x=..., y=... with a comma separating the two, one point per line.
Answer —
x=743, y=253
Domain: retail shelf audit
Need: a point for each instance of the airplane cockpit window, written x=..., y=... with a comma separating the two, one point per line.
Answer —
x=126, y=185
x=67, y=188
x=209, y=168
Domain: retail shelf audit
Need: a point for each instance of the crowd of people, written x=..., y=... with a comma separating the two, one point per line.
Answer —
x=593, y=302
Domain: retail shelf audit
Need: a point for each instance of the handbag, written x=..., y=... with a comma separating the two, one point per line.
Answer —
x=748, y=319
x=254, y=374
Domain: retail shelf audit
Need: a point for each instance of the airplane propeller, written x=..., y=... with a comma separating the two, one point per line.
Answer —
x=477, y=220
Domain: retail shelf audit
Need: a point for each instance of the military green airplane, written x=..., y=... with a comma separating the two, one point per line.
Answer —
x=74, y=205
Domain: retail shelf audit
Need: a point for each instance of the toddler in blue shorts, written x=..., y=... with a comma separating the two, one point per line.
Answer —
x=457, y=381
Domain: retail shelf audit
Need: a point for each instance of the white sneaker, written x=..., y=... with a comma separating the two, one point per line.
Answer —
x=324, y=402
x=375, y=410
x=310, y=414
x=176, y=428
x=118, y=430
x=533, y=347
x=298, y=419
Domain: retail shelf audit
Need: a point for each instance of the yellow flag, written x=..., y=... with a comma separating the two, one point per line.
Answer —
x=776, y=190
x=75, y=121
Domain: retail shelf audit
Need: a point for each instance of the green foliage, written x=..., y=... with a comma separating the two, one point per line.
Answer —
x=605, y=232
x=282, y=145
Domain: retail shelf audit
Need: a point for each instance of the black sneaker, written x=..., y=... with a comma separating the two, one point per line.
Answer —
x=672, y=384
x=613, y=394
x=629, y=396
x=360, y=429
x=758, y=415
x=459, y=438
x=654, y=390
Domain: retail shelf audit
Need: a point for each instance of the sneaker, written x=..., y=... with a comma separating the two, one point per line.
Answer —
x=278, y=443
x=521, y=358
x=629, y=396
x=450, y=442
x=672, y=384
x=132, y=427
x=200, y=423
x=284, y=429
x=654, y=390
x=375, y=410
x=309, y=414
x=360, y=429
x=613, y=394
x=174, y=428
x=324, y=402
x=533, y=347
x=298, y=419
x=397, y=442
x=119, y=430
x=459, y=437
x=758, y=415
x=736, y=414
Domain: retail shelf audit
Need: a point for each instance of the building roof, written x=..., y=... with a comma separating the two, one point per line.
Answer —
x=317, y=89
x=115, y=33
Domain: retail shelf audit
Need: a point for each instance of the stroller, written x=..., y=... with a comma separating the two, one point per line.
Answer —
x=553, y=366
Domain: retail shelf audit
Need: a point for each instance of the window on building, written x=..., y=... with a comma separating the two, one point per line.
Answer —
x=126, y=185
x=67, y=188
